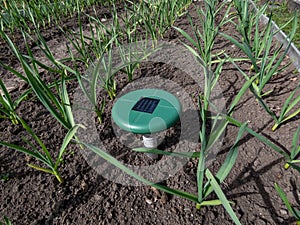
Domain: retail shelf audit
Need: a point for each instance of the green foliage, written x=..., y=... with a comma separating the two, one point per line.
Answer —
x=42, y=154
x=291, y=209
x=22, y=14
x=6, y=221
x=295, y=151
x=213, y=183
x=8, y=107
x=281, y=15
x=158, y=16
x=59, y=107
x=96, y=51
x=4, y=177
x=265, y=58
x=289, y=109
x=290, y=158
x=258, y=45
x=58, y=104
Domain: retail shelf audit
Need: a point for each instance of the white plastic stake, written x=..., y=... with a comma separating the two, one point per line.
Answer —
x=150, y=141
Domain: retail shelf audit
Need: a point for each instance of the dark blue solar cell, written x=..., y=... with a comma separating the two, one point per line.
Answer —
x=147, y=105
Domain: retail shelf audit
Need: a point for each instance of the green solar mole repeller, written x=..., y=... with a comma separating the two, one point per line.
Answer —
x=146, y=111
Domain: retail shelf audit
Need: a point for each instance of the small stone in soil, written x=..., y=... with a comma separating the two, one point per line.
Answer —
x=283, y=212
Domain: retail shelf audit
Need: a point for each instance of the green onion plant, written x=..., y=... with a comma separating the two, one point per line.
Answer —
x=130, y=38
x=100, y=36
x=158, y=16
x=100, y=74
x=204, y=42
x=289, y=109
x=129, y=58
x=106, y=72
x=42, y=154
x=202, y=50
x=12, y=16
x=89, y=46
x=19, y=14
x=258, y=44
x=59, y=107
x=78, y=43
x=265, y=58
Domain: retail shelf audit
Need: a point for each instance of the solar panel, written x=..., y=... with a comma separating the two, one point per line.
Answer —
x=146, y=105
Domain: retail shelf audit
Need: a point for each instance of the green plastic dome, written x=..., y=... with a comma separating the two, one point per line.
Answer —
x=146, y=111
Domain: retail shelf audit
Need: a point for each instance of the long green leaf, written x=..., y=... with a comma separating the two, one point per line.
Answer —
x=259, y=137
x=187, y=36
x=201, y=161
x=263, y=104
x=244, y=47
x=221, y=196
x=291, y=209
x=8, y=101
x=241, y=93
x=294, y=166
x=65, y=143
x=289, y=104
x=209, y=203
x=41, y=90
x=295, y=144
x=7, y=221
x=278, y=62
x=229, y=161
x=40, y=168
x=27, y=152
x=216, y=133
x=292, y=115
x=66, y=102
x=38, y=140
x=13, y=71
x=119, y=165
x=35, y=150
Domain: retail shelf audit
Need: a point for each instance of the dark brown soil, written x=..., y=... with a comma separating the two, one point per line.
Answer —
x=31, y=197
